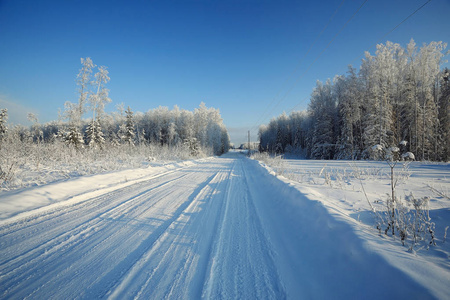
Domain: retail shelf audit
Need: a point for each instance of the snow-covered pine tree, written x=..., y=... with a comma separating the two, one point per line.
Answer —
x=72, y=136
x=94, y=135
x=128, y=129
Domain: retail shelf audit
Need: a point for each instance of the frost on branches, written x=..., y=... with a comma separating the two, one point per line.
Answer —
x=399, y=94
x=3, y=119
x=94, y=135
x=127, y=130
x=86, y=140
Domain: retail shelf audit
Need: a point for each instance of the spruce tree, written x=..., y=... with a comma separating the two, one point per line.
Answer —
x=94, y=135
x=128, y=129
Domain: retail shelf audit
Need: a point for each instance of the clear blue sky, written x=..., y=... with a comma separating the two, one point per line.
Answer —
x=233, y=55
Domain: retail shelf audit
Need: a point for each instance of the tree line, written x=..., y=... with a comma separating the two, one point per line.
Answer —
x=399, y=96
x=201, y=131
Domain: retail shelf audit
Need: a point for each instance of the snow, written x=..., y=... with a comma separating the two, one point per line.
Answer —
x=408, y=155
x=222, y=227
x=333, y=184
x=19, y=203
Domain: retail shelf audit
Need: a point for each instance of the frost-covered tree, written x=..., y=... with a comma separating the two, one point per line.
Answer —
x=350, y=115
x=94, y=135
x=378, y=77
x=175, y=127
x=36, y=133
x=397, y=95
x=444, y=113
x=72, y=136
x=201, y=123
x=285, y=134
x=428, y=63
x=172, y=134
x=98, y=100
x=322, y=110
x=128, y=128
x=84, y=82
x=298, y=130
x=3, y=127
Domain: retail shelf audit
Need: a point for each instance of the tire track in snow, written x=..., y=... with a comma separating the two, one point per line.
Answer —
x=271, y=278
x=91, y=219
x=193, y=233
x=242, y=265
x=152, y=252
x=23, y=277
x=45, y=213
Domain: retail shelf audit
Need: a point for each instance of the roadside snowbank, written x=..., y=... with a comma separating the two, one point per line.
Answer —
x=22, y=202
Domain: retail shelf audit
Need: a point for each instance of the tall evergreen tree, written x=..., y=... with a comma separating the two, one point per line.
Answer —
x=94, y=135
x=128, y=130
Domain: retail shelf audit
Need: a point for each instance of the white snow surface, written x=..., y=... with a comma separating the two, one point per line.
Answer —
x=220, y=228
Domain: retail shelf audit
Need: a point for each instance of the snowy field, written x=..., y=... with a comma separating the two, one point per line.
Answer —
x=222, y=228
x=345, y=189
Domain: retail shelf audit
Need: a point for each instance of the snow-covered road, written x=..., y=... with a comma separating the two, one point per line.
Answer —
x=223, y=228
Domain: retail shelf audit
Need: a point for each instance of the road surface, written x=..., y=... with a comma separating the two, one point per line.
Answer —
x=221, y=229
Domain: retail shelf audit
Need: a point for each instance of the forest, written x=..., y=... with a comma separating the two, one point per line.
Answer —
x=202, y=130
x=87, y=140
x=400, y=97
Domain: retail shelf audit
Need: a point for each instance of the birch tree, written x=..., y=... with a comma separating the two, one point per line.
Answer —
x=84, y=82
x=97, y=101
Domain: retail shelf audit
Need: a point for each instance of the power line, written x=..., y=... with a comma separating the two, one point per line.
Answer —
x=320, y=54
x=392, y=30
x=263, y=116
x=386, y=34
x=404, y=20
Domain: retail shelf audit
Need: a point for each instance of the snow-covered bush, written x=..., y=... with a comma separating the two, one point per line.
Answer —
x=410, y=219
x=24, y=163
x=276, y=162
x=408, y=156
